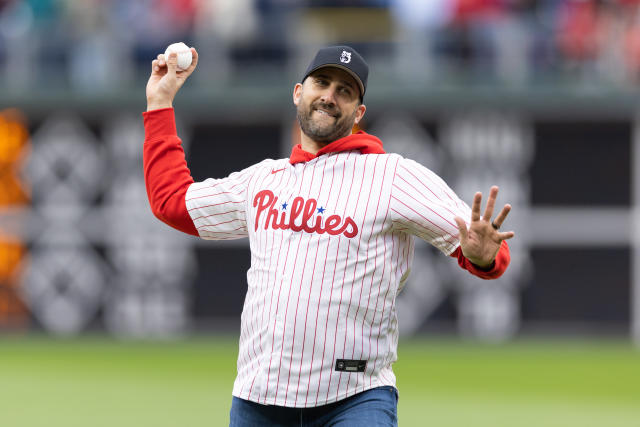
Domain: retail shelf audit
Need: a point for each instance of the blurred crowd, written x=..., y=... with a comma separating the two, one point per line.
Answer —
x=521, y=41
x=98, y=45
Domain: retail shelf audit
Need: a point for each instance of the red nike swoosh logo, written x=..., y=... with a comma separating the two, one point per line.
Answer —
x=277, y=170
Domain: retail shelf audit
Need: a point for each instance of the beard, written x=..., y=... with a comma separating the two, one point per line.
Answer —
x=324, y=130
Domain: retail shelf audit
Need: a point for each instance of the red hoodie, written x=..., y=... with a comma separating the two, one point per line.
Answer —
x=167, y=178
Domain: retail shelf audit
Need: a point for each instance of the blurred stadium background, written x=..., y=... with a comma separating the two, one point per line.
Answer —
x=109, y=318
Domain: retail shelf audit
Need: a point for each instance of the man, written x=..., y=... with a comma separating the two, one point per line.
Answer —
x=330, y=231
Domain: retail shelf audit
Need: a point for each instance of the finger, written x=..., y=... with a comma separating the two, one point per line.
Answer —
x=502, y=215
x=194, y=54
x=194, y=60
x=182, y=75
x=156, y=69
x=462, y=228
x=506, y=235
x=161, y=60
x=491, y=202
x=475, y=207
x=172, y=63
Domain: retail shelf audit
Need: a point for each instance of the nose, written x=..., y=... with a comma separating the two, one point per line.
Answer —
x=328, y=96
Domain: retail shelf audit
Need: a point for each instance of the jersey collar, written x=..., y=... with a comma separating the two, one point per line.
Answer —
x=367, y=144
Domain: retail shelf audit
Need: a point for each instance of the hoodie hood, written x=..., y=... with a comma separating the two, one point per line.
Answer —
x=362, y=141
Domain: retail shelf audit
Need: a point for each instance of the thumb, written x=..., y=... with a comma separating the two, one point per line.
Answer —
x=462, y=228
x=172, y=64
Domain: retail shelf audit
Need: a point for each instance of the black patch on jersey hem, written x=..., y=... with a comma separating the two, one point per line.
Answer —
x=346, y=365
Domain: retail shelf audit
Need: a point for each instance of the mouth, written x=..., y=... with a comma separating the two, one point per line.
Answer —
x=325, y=113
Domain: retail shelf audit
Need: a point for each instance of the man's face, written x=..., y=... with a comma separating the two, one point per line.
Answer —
x=328, y=104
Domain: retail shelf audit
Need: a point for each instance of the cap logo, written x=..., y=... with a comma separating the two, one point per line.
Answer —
x=345, y=57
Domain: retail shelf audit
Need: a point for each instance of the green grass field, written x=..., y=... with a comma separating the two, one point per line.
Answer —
x=102, y=382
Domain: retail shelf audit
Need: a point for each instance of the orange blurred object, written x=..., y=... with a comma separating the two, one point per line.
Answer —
x=14, y=140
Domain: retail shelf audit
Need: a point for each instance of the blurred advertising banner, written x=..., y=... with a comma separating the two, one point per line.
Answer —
x=80, y=250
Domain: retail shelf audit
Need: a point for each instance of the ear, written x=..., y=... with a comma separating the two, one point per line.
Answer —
x=360, y=112
x=297, y=93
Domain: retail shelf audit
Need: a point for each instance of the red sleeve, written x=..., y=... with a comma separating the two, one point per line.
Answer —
x=166, y=175
x=499, y=265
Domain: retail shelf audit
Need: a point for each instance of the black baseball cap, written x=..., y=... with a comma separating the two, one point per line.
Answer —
x=345, y=58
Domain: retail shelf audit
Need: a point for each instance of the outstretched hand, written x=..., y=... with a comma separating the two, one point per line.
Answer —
x=481, y=241
x=166, y=79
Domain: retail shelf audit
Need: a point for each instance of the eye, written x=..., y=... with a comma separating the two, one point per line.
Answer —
x=346, y=91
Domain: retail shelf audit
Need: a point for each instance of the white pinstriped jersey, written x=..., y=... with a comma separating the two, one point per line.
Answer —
x=331, y=246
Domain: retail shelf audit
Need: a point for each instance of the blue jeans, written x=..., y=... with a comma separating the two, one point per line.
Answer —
x=375, y=407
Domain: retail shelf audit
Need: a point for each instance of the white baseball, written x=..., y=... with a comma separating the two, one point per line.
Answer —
x=184, y=54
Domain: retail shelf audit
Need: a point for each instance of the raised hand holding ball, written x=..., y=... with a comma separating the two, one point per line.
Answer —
x=167, y=77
